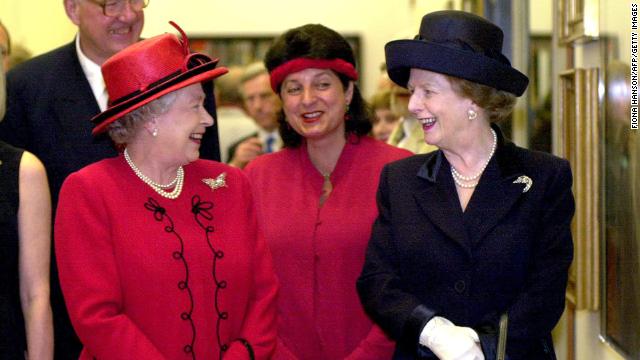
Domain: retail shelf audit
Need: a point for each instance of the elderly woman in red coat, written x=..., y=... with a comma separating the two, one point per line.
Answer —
x=159, y=253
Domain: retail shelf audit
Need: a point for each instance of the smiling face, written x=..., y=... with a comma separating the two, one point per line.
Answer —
x=102, y=36
x=180, y=129
x=441, y=111
x=314, y=102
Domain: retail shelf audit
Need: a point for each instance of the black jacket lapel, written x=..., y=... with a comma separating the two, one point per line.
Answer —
x=494, y=197
x=439, y=202
x=496, y=193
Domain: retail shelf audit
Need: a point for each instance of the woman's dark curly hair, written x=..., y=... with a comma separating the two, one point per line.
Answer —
x=315, y=41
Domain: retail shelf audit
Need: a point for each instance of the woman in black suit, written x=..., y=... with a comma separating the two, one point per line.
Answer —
x=477, y=229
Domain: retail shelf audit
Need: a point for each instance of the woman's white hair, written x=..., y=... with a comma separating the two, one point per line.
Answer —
x=124, y=129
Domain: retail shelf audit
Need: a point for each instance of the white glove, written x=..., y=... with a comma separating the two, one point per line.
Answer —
x=450, y=342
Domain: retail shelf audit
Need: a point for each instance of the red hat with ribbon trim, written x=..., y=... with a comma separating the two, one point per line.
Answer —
x=148, y=70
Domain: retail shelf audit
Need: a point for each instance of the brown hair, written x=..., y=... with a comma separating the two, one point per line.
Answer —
x=381, y=100
x=497, y=104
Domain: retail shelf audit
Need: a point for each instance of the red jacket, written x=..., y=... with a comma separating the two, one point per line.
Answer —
x=145, y=277
x=318, y=253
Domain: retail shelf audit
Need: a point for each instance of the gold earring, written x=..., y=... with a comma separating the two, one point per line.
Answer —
x=472, y=114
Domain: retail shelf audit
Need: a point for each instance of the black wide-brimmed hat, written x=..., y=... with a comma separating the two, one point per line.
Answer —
x=459, y=44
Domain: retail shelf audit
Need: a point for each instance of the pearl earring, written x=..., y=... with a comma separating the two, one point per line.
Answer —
x=472, y=114
x=154, y=133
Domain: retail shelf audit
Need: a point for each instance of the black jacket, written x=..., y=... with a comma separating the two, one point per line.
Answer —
x=509, y=251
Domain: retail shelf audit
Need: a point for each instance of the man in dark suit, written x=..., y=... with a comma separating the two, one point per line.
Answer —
x=51, y=99
x=263, y=106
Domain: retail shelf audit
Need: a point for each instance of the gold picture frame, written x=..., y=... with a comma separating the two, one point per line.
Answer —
x=620, y=298
x=578, y=20
x=579, y=142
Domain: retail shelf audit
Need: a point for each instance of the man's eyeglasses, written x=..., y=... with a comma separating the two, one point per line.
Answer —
x=114, y=8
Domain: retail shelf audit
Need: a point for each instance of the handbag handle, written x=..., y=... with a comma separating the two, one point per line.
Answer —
x=502, y=336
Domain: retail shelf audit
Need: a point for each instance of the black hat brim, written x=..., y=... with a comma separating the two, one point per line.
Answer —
x=403, y=55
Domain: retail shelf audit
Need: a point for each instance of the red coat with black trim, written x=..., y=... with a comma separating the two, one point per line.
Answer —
x=146, y=277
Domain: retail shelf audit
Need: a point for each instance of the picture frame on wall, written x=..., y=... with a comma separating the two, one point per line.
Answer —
x=539, y=93
x=620, y=318
x=578, y=20
x=579, y=141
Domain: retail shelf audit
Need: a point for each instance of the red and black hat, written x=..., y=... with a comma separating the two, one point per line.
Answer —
x=148, y=70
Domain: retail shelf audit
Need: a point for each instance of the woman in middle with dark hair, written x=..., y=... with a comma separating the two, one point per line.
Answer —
x=315, y=198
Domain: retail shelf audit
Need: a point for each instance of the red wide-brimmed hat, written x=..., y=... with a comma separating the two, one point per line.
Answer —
x=149, y=69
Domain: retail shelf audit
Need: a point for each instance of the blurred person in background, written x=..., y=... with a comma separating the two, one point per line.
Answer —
x=12, y=53
x=233, y=122
x=384, y=120
x=264, y=106
x=5, y=49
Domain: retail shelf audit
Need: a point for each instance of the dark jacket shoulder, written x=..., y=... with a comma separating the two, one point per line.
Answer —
x=46, y=67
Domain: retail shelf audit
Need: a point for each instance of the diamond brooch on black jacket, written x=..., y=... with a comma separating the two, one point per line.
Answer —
x=524, y=179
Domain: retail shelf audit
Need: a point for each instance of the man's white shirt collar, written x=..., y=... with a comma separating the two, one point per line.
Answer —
x=263, y=135
x=94, y=76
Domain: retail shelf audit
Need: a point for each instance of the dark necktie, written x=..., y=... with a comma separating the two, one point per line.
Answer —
x=268, y=148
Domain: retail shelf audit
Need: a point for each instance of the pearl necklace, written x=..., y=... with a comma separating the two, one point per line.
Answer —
x=459, y=178
x=159, y=188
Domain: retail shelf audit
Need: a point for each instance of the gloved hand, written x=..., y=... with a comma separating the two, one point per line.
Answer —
x=450, y=342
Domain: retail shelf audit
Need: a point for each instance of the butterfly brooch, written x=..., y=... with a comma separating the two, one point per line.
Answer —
x=216, y=183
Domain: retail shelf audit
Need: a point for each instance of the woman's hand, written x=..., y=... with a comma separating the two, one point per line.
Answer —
x=450, y=342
